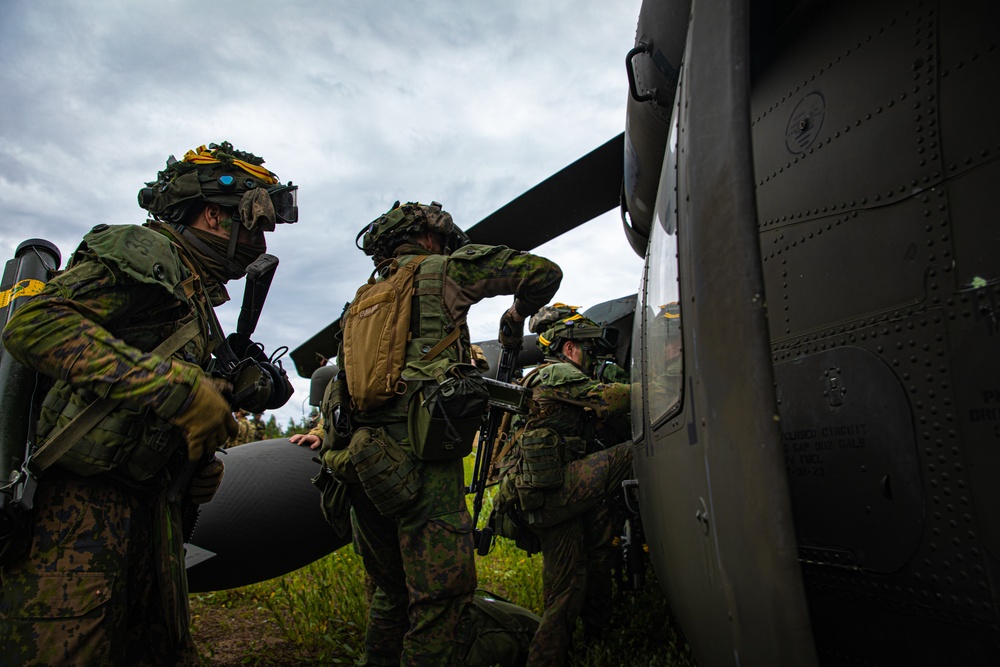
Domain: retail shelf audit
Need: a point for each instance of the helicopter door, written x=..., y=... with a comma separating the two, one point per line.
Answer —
x=713, y=487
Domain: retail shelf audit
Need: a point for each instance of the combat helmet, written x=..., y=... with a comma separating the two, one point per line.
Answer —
x=380, y=238
x=558, y=323
x=223, y=175
x=229, y=177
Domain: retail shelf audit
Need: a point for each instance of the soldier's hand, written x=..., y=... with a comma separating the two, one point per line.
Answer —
x=206, y=481
x=511, y=329
x=207, y=422
x=303, y=439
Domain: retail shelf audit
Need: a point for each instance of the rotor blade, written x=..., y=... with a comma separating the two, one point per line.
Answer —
x=577, y=194
x=315, y=352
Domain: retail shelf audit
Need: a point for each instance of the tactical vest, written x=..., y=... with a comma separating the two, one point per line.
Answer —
x=132, y=441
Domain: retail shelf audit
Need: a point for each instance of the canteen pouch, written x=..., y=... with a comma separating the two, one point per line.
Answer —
x=386, y=471
x=445, y=414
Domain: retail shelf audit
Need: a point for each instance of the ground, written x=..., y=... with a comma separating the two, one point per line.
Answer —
x=244, y=635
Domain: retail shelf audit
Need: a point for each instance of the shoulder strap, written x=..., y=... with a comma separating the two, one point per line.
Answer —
x=442, y=344
x=88, y=418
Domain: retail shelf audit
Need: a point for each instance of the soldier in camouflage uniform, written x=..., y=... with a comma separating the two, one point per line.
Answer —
x=559, y=473
x=104, y=581
x=258, y=430
x=244, y=430
x=422, y=558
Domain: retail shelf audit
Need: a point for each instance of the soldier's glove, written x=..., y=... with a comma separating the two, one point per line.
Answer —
x=206, y=481
x=207, y=422
x=511, y=330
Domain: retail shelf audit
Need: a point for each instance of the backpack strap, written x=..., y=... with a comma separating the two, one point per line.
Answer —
x=67, y=436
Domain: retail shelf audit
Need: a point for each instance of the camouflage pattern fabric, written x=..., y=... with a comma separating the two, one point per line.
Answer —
x=574, y=523
x=422, y=560
x=104, y=582
x=90, y=592
x=422, y=567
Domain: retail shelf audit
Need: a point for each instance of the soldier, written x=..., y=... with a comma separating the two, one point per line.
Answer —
x=258, y=430
x=244, y=430
x=558, y=475
x=421, y=557
x=103, y=582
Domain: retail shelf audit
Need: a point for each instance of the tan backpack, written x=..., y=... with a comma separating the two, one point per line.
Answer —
x=376, y=331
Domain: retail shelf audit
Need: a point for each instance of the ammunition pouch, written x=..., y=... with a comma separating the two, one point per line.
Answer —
x=445, y=414
x=130, y=439
x=541, y=460
x=334, y=501
x=385, y=469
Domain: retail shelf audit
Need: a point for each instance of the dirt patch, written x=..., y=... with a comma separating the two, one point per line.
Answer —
x=243, y=635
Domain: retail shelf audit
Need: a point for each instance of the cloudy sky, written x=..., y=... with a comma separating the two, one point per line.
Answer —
x=359, y=103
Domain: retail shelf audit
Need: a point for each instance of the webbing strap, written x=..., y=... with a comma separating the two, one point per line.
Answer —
x=67, y=436
x=442, y=344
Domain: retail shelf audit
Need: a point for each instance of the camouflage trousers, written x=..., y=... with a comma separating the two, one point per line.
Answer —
x=422, y=564
x=88, y=591
x=575, y=529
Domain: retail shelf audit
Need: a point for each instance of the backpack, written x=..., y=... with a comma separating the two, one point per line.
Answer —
x=499, y=632
x=376, y=331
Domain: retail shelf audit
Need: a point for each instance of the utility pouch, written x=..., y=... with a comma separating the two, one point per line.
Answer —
x=336, y=412
x=530, y=499
x=386, y=471
x=16, y=524
x=445, y=414
x=129, y=439
x=541, y=460
x=334, y=501
x=509, y=523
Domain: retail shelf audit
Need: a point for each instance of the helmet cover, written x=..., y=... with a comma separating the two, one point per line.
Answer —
x=383, y=234
x=226, y=176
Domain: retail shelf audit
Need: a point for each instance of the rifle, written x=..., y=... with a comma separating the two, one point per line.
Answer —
x=487, y=435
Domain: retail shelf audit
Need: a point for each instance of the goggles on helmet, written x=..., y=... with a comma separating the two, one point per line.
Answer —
x=262, y=207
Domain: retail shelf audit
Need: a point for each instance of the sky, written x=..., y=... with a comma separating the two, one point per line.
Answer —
x=358, y=103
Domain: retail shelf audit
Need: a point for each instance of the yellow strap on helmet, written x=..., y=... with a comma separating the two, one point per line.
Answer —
x=202, y=155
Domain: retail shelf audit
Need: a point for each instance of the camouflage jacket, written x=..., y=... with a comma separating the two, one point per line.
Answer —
x=471, y=274
x=126, y=289
x=574, y=405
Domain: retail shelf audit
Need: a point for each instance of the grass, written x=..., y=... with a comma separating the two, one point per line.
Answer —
x=321, y=610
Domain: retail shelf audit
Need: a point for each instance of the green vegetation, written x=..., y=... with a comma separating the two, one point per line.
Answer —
x=321, y=611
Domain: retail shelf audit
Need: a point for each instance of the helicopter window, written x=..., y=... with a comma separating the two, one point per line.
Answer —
x=635, y=370
x=661, y=309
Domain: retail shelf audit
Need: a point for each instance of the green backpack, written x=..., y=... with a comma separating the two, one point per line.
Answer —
x=499, y=632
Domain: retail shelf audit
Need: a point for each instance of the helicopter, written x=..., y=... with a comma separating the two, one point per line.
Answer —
x=808, y=183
